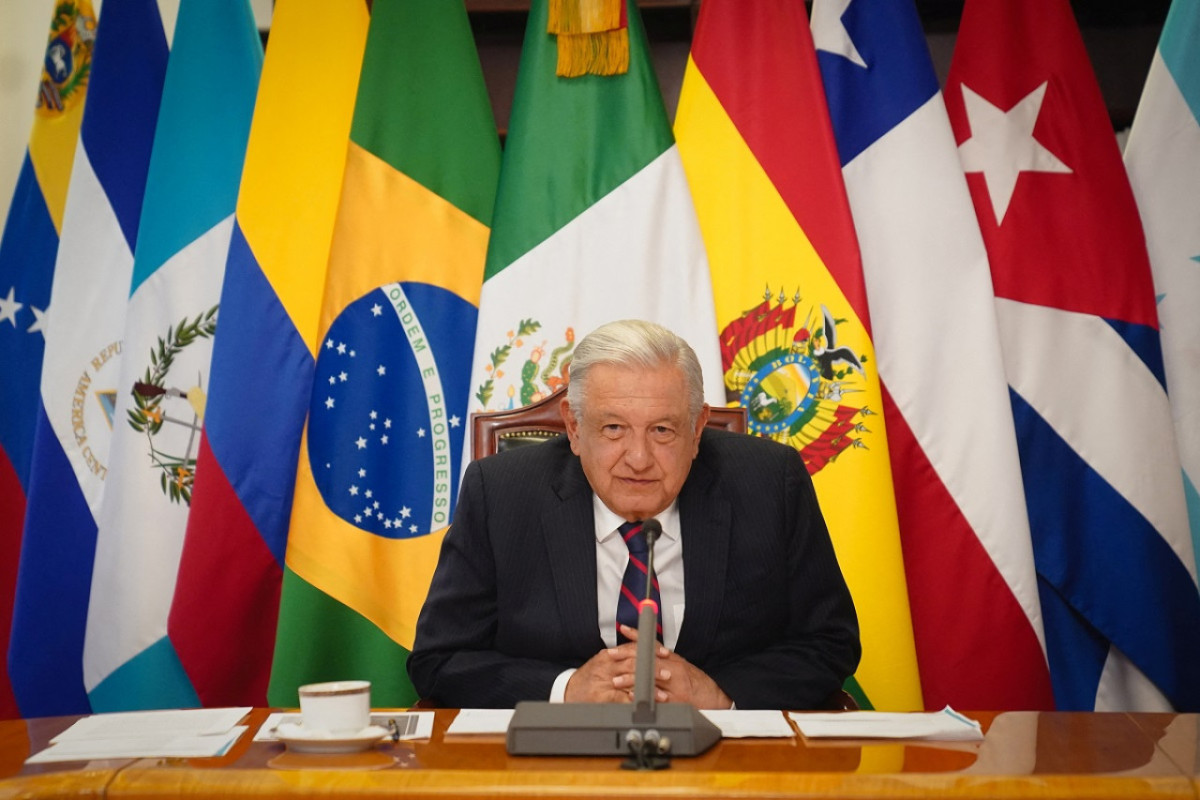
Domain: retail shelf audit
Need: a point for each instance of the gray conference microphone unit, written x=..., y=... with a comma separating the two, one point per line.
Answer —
x=648, y=731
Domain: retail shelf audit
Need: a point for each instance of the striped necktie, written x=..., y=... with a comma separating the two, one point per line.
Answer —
x=633, y=585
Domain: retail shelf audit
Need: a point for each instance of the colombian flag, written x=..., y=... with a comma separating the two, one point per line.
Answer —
x=27, y=254
x=760, y=156
x=380, y=460
x=223, y=615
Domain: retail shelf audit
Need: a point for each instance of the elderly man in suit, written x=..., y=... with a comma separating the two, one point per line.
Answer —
x=525, y=602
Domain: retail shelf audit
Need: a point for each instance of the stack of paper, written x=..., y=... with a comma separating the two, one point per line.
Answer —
x=193, y=733
x=944, y=725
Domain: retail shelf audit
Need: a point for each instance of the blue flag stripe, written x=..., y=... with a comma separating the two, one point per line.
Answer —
x=1109, y=563
x=256, y=330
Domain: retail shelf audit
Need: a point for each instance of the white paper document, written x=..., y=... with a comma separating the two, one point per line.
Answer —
x=945, y=725
x=190, y=733
x=475, y=721
x=739, y=724
x=410, y=724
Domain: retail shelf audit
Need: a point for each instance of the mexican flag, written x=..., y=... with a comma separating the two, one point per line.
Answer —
x=593, y=223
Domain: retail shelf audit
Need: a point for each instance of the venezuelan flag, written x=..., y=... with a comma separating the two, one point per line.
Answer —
x=756, y=141
x=379, y=464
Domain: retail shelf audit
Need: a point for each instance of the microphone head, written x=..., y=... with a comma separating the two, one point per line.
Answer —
x=653, y=529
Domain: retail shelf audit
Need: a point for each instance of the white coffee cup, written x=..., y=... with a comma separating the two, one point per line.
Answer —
x=336, y=707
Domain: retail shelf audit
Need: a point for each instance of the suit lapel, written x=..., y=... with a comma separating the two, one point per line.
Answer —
x=705, y=520
x=568, y=527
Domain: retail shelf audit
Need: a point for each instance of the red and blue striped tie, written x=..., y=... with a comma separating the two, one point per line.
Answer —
x=633, y=585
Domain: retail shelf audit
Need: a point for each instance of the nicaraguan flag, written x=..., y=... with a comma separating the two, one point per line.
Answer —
x=83, y=328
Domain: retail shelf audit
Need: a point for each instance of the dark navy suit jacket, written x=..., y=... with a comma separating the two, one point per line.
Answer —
x=513, y=600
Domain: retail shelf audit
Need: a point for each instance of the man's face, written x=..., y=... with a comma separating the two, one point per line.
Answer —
x=634, y=437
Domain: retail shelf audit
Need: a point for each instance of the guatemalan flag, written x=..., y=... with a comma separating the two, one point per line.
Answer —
x=172, y=313
x=1162, y=157
x=83, y=328
x=964, y=531
x=27, y=252
x=223, y=615
x=1079, y=331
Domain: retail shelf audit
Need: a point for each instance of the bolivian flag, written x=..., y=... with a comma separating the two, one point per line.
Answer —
x=379, y=462
x=756, y=141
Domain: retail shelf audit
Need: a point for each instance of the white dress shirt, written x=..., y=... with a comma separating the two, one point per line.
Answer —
x=612, y=556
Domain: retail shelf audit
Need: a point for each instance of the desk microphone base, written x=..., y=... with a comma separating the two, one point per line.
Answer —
x=599, y=729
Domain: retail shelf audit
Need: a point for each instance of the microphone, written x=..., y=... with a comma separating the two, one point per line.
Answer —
x=649, y=732
x=643, y=678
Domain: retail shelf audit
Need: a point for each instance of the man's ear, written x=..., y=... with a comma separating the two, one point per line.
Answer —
x=571, y=424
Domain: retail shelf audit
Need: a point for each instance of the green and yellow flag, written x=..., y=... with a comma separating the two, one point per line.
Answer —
x=380, y=460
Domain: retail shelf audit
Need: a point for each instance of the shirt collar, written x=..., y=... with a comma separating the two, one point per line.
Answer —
x=608, y=521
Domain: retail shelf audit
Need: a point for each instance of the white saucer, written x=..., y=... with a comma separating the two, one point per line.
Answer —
x=301, y=740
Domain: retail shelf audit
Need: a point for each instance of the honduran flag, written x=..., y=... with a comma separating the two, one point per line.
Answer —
x=171, y=315
x=224, y=612
x=594, y=223
x=1079, y=332
x=83, y=327
x=378, y=470
x=967, y=553
x=1162, y=158
x=796, y=343
x=27, y=251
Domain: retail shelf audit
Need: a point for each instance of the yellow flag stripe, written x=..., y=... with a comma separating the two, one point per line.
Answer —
x=420, y=237
x=291, y=184
x=753, y=241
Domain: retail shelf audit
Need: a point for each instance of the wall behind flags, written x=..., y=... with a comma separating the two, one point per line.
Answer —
x=1120, y=36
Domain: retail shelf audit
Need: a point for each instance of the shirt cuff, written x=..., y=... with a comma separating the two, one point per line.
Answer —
x=559, y=689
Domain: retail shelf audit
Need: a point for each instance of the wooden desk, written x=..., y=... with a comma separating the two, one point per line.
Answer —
x=1025, y=754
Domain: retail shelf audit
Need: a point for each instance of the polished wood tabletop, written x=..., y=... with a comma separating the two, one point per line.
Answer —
x=1023, y=755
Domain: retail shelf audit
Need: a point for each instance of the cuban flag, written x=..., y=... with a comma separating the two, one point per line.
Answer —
x=1079, y=331
x=83, y=326
x=171, y=316
x=964, y=532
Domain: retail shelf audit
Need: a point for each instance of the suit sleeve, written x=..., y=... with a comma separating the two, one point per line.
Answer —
x=805, y=643
x=455, y=660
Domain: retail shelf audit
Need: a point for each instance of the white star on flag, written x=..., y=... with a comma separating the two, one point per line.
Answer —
x=830, y=35
x=9, y=307
x=1002, y=145
x=39, y=321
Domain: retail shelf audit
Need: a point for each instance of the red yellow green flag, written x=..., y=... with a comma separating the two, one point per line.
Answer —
x=758, y=148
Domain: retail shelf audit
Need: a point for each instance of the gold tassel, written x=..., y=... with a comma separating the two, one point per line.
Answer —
x=583, y=16
x=605, y=53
